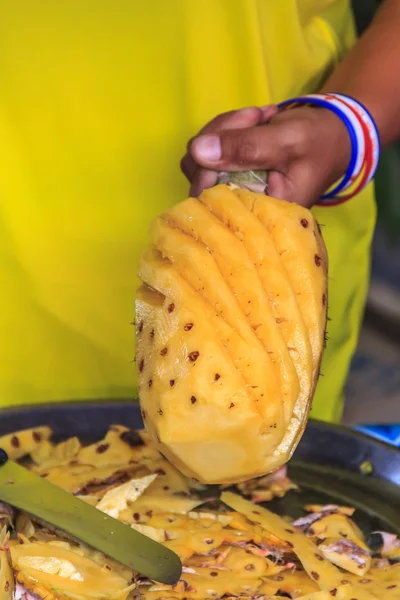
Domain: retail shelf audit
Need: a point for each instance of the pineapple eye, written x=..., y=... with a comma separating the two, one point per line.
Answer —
x=193, y=356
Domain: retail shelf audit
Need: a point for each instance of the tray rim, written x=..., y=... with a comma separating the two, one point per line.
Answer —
x=95, y=404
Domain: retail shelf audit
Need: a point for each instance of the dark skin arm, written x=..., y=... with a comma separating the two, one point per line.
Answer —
x=306, y=150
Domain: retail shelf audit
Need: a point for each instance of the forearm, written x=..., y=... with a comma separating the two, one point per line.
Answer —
x=370, y=72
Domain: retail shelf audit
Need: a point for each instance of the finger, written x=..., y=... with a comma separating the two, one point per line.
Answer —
x=263, y=147
x=188, y=167
x=202, y=180
x=234, y=119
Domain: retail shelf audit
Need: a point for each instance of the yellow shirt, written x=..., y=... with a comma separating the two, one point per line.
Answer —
x=98, y=99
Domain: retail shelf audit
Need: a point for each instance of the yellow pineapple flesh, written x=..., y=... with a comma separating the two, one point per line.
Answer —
x=230, y=324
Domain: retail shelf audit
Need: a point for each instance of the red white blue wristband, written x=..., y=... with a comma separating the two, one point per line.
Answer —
x=364, y=139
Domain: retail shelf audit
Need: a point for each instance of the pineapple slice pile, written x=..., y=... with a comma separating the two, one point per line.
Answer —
x=230, y=547
x=230, y=321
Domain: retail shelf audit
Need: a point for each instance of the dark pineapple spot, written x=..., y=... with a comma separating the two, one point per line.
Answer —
x=140, y=328
x=250, y=567
x=326, y=338
x=15, y=443
x=318, y=260
x=131, y=437
x=304, y=223
x=171, y=307
x=102, y=448
x=188, y=326
x=36, y=436
x=323, y=299
x=141, y=365
x=136, y=516
x=314, y=575
x=333, y=592
x=193, y=356
x=152, y=334
x=231, y=405
x=172, y=382
x=160, y=412
x=217, y=376
x=164, y=352
x=213, y=574
x=193, y=399
x=150, y=383
x=319, y=557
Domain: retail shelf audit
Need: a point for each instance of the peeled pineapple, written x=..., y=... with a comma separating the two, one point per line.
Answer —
x=230, y=320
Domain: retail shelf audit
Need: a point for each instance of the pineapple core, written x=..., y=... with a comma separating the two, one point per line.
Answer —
x=230, y=325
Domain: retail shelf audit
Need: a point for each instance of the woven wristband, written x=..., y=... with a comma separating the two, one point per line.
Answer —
x=364, y=139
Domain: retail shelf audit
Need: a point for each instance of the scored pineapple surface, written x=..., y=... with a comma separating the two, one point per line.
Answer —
x=230, y=323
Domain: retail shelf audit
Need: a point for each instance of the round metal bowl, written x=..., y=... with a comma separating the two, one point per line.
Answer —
x=328, y=464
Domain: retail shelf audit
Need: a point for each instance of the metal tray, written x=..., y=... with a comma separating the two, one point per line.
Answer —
x=326, y=465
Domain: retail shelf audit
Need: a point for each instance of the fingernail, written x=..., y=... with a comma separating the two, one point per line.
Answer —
x=207, y=147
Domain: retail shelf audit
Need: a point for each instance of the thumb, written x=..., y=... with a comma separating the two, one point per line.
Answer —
x=259, y=147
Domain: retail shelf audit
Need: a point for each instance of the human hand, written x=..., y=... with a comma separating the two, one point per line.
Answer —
x=305, y=150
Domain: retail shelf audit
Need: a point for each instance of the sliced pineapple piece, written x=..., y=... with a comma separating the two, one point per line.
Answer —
x=347, y=555
x=6, y=574
x=296, y=583
x=65, y=573
x=116, y=500
x=144, y=507
x=22, y=443
x=49, y=455
x=79, y=479
x=120, y=446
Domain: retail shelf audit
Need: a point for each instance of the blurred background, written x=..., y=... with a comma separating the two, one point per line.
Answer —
x=373, y=391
